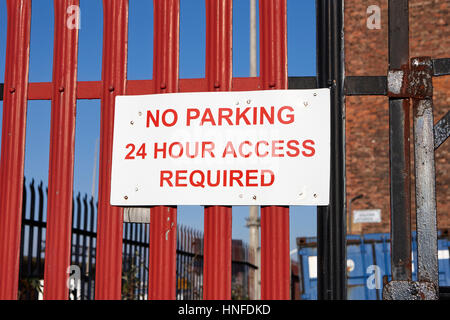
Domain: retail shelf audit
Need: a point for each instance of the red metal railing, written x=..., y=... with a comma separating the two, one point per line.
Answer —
x=13, y=143
x=62, y=154
x=64, y=90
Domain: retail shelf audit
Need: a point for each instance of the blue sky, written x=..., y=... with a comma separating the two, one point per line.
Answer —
x=301, y=62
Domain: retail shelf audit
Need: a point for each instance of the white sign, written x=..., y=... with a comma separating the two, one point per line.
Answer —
x=222, y=148
x=367, y=216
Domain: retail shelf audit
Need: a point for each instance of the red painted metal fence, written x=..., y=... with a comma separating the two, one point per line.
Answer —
x=64, y=90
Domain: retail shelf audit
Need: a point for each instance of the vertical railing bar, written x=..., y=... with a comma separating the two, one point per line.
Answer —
x=191, y=264
x=183, y=262
x=40, y=220
x=331, y=220
x=62, y=154
x=110, y=219
x=31, y=231
x=72, y=254
x=141, y=260
x=275, y=259
x=178, y=270
x=164, y=219
x=363, y=255
x=13, y=143
x=133, y=254
x=218, y=220
x=147, y=257
x=90, y=255
x=84, y=251
x=138, y=260
x=199, y=266
x=22, y=229
x=78, y=228
x=374, y=262
x=425, y=173
x=126, y=247
x=323, y=212
x=399, y=155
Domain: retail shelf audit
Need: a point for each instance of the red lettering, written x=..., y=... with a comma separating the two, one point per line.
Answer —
x=269, y=117
x=153, y=119
x=306, y=145
x=162, y=150
x=130, y=154
x=180, y=151
x=175, y=118
x=209, y=149
x=240, y=149
x=248, y=177
x=239, y=174
x=242, y=116
x=191, y=115
x=188, y=153
x=208, y=178
x=141, y=152
x=293, y=145
x=289, y=116
x=179, y=177
x=257, y=149
x=227, y=116
x=166, y=176
x=272, y=178
x=229, y=149
x=276, y=148
x=208, y=117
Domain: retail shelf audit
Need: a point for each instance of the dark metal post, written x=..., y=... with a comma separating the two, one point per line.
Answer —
x=421, y=84
x=331, y=220
x=399, y=142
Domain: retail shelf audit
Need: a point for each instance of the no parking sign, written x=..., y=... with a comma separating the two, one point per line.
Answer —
x=222, y=148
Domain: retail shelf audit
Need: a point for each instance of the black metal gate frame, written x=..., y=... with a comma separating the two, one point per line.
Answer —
x=405, y=80
x=400, y=85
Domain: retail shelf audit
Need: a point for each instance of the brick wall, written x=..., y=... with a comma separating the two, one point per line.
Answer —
x=367, y=118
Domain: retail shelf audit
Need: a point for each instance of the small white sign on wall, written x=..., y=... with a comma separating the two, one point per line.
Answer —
x=367, y=216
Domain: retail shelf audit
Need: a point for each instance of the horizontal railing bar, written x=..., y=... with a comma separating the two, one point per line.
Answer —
x=89, y=90
x=354, y=85
x=441, y=67
x=365, y=85
x=302, y=82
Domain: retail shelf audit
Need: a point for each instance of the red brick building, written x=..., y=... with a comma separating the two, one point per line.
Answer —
x=367, y=118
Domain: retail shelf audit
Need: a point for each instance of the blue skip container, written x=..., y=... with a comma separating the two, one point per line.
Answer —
x=368, y=263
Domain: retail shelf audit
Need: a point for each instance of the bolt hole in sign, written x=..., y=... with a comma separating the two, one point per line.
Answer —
x=222, y=148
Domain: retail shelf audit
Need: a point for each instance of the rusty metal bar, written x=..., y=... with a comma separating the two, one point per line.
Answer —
x=218, y=220
x=441, y=67
x=62, y=155
x=399, y=146
x=110, y=219
x=163, y=220
x=442, y=130
x=426, y=220
x=275, y=258
x=13, y=143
